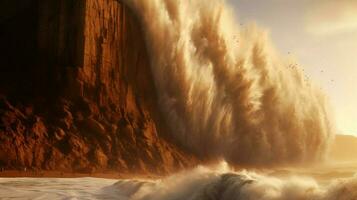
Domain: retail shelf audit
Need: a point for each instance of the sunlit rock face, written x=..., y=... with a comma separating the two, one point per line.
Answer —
x=78, y=94
x=224, y=89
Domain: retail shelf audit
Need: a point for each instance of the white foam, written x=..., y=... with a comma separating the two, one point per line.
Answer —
x=201, y=183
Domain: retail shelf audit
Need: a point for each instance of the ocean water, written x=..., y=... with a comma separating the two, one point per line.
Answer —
x=57, y=188
x=337, y=182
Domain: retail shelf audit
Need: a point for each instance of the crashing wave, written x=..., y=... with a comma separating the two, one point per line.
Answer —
x=205, y=184
x=225, y=92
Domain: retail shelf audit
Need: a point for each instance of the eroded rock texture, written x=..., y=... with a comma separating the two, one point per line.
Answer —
x=77, y=92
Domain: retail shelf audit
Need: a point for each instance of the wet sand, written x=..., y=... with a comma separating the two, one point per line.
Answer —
x=59, y=174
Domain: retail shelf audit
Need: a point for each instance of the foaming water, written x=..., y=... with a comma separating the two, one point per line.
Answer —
x=217, y=184
x=225, y=91
x=201, y=183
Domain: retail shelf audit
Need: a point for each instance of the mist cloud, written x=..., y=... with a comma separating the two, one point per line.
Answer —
x=225, y=92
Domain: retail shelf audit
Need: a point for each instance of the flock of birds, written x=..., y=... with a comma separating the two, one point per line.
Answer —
x=306, y=77
x=291, y=66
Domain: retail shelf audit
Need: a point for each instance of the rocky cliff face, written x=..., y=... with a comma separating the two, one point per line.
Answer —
x=77, y=92
x=344, y=148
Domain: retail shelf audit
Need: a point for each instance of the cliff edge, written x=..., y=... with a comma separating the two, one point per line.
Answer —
x=76, y=92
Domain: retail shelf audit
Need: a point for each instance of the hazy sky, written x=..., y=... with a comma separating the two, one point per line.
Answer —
x=322, y=36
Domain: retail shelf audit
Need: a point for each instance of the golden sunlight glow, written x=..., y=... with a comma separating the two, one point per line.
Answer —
x=322, y=36
x=331, y=17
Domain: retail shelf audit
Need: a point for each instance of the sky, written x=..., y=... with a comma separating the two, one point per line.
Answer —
x=322, y=36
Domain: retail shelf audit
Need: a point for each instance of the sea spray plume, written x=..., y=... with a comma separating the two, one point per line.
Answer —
x=203, y=183
x=225, y=92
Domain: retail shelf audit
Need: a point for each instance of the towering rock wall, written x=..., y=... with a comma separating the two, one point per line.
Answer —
x=86, y=99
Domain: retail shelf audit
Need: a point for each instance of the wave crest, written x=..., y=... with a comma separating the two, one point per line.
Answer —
x=205, y=184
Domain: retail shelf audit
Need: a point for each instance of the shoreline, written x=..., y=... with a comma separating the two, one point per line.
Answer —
x=60, y=174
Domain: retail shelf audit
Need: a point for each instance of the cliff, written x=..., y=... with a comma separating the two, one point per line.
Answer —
x=344, y=148
x=76, y=92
